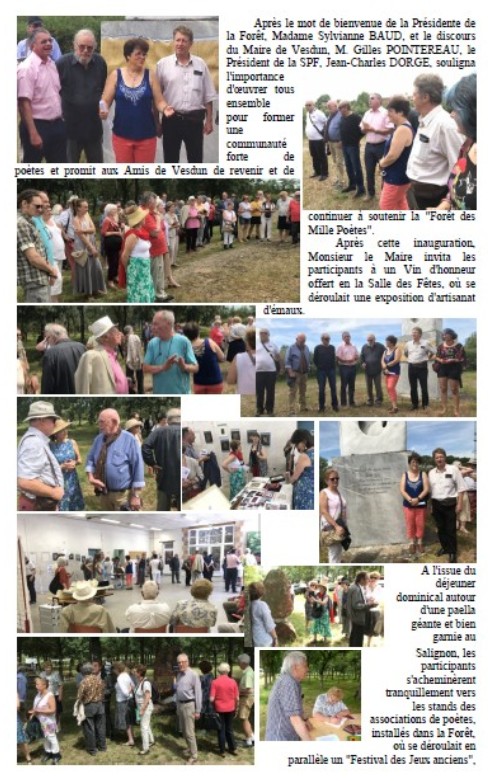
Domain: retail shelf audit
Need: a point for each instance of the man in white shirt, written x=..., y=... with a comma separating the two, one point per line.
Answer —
x=315, y=122
x=376, y=126
x=267, y=359
x=186, y=82
x=436, y=145
x=446, y=489
x=417, y=352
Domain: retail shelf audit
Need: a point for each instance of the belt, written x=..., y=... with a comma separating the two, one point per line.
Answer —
x=184, y=702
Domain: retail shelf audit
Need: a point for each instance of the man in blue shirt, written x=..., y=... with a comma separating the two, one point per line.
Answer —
x=169, y=357
x=297, y=368
x=285, y=719
x=23, y=49
x=115, y=466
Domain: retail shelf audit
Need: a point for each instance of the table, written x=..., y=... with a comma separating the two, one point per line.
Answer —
x=319, y=729
x=255, y=496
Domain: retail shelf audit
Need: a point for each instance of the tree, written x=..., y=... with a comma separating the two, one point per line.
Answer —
x=470, y=350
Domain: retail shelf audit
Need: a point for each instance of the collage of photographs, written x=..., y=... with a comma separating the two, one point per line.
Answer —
x=142, y=509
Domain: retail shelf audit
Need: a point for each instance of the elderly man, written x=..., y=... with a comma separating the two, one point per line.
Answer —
x=83, y=74
x=188, y=696
x=134, y=360
x=42, y=130
x=114, y=465
x=350, y=135
x=169, y=357
x=246, y=689
x=324, y=360
x=34, y=273
x=150, y=613
x=61, y=361
x=267, y=366
x=23, y=49
x=347, y=358
x=99, y=371
x=39, y=476
x=161, y=450
x=91, y=694
x=436, y=145
x=332, y=134
x=297, y=367
x=285, y=719
x=376, y=127
x=154, y=224
x=447, y=488
x=85, y=611
x=189, y=90
x=315, y=121
x=371, y=355
x=357, y=607
x=418, y=353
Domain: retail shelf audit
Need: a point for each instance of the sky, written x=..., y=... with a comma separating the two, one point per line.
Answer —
x=456, y=437
x=284, y=330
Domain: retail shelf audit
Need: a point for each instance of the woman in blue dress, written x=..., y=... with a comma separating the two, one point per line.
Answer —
x=67, y=454
x=303, y=477
x=321, y=614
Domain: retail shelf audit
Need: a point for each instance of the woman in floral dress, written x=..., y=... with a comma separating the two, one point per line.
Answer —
x=67, y=454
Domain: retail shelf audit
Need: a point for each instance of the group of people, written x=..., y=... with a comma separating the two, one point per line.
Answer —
x=64, y=99
x=47, y=460
x=451, y=489
x=379, y=362
x=200, y=701
x=426, y=156
x=252, y=218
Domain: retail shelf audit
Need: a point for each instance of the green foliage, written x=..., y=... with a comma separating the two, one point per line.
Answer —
x=470, y=350
x=63, y=28
x=361, y=104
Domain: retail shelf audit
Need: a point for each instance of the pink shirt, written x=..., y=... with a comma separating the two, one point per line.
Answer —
x=379, y=120
x=120, y=380
x=347, y=353
x=39, y=82
x=225, y=691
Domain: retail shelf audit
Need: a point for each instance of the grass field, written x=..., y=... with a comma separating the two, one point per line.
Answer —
x=251, y=272
x=167, y=750
x=468, y=401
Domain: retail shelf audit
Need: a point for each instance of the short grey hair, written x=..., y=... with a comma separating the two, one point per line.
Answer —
x=86, y=668
x=293, y=659
x=147, y=195
x=165, y=314
x=61, y=561
x=56, y=331
x=224, y=667
x=244, y=659
x=432, y=85
x=85, y=32
x=110, y=207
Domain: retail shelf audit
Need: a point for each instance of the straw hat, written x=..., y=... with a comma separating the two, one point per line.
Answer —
x=132, y=422
x=83, y=590
x=60, y=425
x=135, y=217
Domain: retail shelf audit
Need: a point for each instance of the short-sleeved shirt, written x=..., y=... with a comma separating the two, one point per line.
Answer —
x=347, y=353
x=35, y=460
x=435, y=148
x=247, y=679
x=141, y=690
x=285, y=701
x=262, y=623
x=446, y=484
x=326, y=708
x=91, y=689
x=225, y=691
x=38, y=81
x=28, y=237
x=418, y=352
x=185, y=87
x=174, y=380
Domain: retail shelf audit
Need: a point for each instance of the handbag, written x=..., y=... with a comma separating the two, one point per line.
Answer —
x=332, y=536
x=80, y=256
x=436, y=366
x=55, y=584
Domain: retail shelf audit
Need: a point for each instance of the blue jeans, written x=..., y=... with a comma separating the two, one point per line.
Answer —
x=353, y=166
x=322, y=375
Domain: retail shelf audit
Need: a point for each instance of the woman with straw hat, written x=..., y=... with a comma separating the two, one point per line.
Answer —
x=67, y=454
x=136, y=258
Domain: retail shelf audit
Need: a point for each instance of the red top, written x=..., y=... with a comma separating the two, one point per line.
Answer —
x=225, y=691
x=294, y=211
x=158, y=243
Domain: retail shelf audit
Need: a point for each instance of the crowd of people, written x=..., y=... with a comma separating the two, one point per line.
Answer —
x=134, y=246
x=449, y=490
x=427, y=157
x=381, y=364
x=113, y=698
x=47, y=461
x=65, y=98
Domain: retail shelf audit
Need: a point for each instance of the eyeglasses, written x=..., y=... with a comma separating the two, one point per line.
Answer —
x=334, y=478
x=38, y=206
x=85, y=47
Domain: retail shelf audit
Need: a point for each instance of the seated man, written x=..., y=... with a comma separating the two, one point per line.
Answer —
x=85, y=611
x=150, y=613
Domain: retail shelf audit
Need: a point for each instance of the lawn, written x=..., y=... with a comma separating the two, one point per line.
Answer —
x=468, y=401
x=304, y=638
x=167, y=750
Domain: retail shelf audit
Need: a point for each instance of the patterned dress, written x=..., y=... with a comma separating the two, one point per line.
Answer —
x=73, y=498
x=139, y=283
x=304, y=487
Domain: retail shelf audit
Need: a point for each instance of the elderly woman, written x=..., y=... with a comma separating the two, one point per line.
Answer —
x=244, y=218
x=390, y=366
x=208, y=378
x=320, y=613
x=462, y=181
x=397, y=150
x=111, y=230
x=150, y=613
x=228, y=224
x=91, y=694
x=44, y=709
x=191, y=221
x=136, y=92
x=197, y=611
x=136, y=258
x=450, y=361
x=303, y=477
x=242, y=371
x=144, y=704
x=414, y=487
x=262, y=624
x=67, y=454
x=89, y=277
x=125, y=715
x=224, y=696
x=233, y=464
x=333, y=514
x=62, y=573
